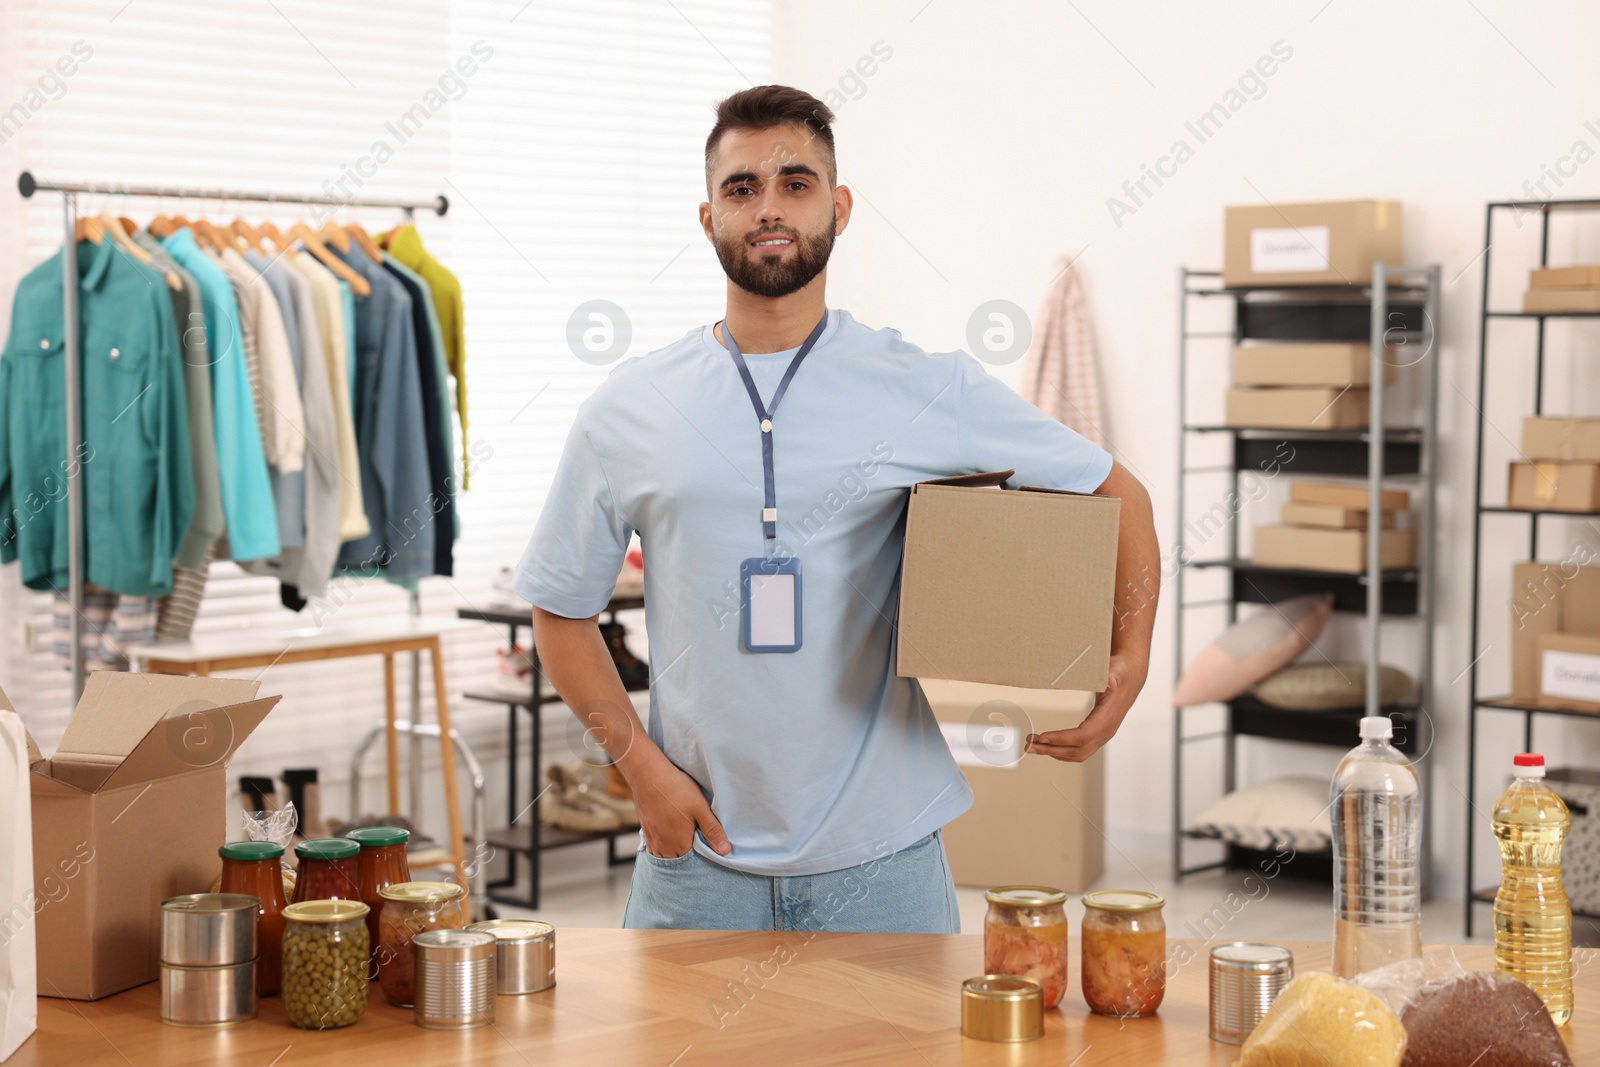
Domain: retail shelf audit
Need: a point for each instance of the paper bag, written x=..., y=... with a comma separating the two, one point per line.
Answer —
x=19, y=979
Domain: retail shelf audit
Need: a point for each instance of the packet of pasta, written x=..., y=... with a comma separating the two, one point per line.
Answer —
x=1322, y=1021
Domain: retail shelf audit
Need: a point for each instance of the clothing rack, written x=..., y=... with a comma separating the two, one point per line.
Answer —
x=27, y=185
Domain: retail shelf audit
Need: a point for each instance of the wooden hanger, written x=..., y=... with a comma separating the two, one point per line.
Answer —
x=335, y=235
x=210, y=235
x=89, y=229
x=127, y=224
x=339, y=267
x=120, y=238
x=270, y=232
x=364, y=241
x=248, y=234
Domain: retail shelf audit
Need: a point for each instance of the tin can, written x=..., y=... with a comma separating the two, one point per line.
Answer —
x=454, y=979
x=525, y=954
x=1002, y=1007
x=208, y=929
x=208, y=996
x=1246, y=977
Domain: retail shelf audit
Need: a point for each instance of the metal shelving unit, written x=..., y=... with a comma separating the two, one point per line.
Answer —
x=1399, y=307
x=1529, y=710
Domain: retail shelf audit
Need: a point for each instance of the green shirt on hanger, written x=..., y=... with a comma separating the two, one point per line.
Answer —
x=138, y=481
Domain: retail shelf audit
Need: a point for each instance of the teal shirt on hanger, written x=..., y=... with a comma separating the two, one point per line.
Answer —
x=138, y=479
x=251, y=516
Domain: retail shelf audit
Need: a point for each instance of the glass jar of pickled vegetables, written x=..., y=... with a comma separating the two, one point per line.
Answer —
x=1124, y=952
x=1025, y=933
x=325, y=950
x=382, y=863
x=327, y=870
x=410, y=908
x=255, y=869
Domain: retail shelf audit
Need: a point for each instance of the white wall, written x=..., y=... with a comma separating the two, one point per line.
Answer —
x=989, y=142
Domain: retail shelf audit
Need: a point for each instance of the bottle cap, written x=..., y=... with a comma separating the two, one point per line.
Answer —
x=1376, y=728
x=1528, y=765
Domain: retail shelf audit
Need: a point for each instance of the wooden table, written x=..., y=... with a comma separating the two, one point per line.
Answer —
x=263, y=647
x=656, y=998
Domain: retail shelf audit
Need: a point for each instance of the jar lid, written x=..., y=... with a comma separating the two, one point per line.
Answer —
x=379, y=836
x=454, y=945
x=1001, y=987
x=250, y=850
x=421, y=892
x=1026, y=896
x=326, y=911
x=516, y=930
x=1252, y=956
x=327, y=848
x=1122, y=900
x=211, y=902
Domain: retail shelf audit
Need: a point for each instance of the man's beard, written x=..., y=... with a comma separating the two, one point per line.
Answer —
x=774, y=276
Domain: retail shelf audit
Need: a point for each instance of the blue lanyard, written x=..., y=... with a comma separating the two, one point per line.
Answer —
x=769, y=513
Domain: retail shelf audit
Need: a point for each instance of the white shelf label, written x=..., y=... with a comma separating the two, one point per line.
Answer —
x=1286, y=250
x=1574, y=675
x=983, y=746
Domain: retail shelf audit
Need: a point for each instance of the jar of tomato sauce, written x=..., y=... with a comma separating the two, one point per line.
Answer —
x=327, y=870
x=382, y=863
x=255, y=869
x=1124, y=952
x=1025, y=933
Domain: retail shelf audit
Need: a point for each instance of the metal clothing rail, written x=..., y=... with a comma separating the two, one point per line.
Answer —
x=27, y=185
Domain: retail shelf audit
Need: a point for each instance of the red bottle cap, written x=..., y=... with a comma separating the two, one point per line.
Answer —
x=1528, y=759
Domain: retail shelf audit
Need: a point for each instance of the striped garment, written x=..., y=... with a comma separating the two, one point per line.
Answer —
x=1059, y=375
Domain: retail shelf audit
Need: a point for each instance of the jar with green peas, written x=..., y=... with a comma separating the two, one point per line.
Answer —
x=325, y=954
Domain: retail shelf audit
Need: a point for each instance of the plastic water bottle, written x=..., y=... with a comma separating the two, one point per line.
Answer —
x=1377, y=846
x=1532, y=916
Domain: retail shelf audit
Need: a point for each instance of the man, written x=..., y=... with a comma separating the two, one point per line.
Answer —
x=789, y=782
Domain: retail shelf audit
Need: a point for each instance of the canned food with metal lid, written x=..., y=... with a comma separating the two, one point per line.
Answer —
x=208, y=929
x=455, y=979
x=1002, y=1007
x=525, y=954
x=1246, y=977
x=208, y=996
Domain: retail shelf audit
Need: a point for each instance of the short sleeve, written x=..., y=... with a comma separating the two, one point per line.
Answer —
x=996, y=429
x=571, y=564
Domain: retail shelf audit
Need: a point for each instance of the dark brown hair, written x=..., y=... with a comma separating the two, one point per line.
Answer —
x=762, y=107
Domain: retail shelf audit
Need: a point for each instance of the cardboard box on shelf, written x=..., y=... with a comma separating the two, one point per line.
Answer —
x=1558, y=437
x=1346, y=494
x=1316, y=549
x=1329, y=243
x=986, y=726
x=1548, y=598
x=1333, y=363
x=1551, y=485
x=1569, y=670
x=1014, y=587
x=1560, y=300
x=1333, y=515
x=130, y=810
x=1297, y=408
x=1579, y=277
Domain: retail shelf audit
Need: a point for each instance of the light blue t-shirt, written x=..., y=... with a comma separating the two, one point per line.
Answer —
x=823, y=758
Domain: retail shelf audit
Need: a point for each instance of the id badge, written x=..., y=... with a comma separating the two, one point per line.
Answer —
x=770, y=601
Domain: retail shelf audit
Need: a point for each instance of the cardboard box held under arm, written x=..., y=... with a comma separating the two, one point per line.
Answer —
x=1010, y=586
x=129, y=811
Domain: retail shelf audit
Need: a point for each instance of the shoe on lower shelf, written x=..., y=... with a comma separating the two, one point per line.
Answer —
x=570, y=805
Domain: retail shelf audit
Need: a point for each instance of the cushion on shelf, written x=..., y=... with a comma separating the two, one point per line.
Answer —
x=1331, y=686
x=1253, y=648
x=1272, y=814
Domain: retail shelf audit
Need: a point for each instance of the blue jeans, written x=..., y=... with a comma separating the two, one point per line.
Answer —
x=905, y=892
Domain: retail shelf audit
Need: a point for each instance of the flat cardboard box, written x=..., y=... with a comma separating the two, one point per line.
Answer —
x=1333, y=363
x=1010, y=586
x=1329, y=243
x=1580, y=277
x=1342, y=551
x=1554, y=437
x=1060, y=843
x=1345, y=494
x=130, y=810
x=1550, y=485
x=1559, y=300
x=1297, y=408
x=1293, y=514
x=1569, y=671
x=1548, y=598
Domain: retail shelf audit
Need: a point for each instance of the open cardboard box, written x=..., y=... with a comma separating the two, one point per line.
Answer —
x=129, y=811
x=1014, y=587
